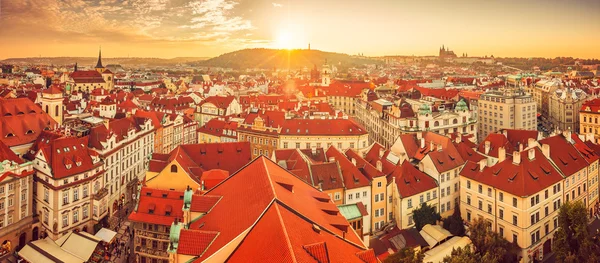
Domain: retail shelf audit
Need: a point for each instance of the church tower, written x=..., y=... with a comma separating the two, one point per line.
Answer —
x=326, y=75
x=52, y=103
x=99, y=66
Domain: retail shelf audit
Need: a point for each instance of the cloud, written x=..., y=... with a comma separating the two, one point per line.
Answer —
x=116, y=21
x=277, y=5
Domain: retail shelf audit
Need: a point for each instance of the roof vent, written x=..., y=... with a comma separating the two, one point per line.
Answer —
x=316, y=228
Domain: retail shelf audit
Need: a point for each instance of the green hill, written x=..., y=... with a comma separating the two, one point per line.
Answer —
x=283, y=59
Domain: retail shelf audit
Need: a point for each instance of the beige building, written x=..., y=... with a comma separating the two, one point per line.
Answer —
x=321, y=133
x=507, y=108
x=16, y=203
x=385, y=120
x=564, y=105
x=70, y=189
x=541, y=92
x=588, y=117
x=438, y=157
x=518, y=196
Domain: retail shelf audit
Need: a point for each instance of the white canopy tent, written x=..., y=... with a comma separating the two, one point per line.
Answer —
x=70, y=248
x=46, y=251
x=106, y=235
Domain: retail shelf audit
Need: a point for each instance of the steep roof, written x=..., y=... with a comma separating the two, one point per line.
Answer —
x=262, y=191
x=410, y=181
x=198, y=158
x=564, y=154
x=68, y=156
x=21, y=121
x=526, y=178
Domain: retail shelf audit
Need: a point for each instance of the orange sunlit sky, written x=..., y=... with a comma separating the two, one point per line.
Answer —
x=207, y=28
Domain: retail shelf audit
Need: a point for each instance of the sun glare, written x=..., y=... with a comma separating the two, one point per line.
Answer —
x=284, y=40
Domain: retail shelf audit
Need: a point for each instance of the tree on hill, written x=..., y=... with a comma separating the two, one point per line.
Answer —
x=454, y=223
x=572, y=242
x=405, y=255
x=425, y=215
x=490, y=244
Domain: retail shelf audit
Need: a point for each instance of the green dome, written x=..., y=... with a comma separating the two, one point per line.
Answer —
x=461, y=106
x=424, y=109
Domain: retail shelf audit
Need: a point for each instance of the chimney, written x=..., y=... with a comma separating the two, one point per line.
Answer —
x=431, y=146
x=379, y=166
x=482, y=164
x=516, y=157
x=531, y=154
x=422, y=143
x=501, y=154
x=505, y=133
x=488, y=146
x=421, y=166
x=353, y=161
x=567, y=134
x=546, y=150
x=331, y=159
x=439, y=147
x=520, y=147
x=313, y=150
x=530, y=142
x=419, y=135
x=381, y=152
x=457, y=139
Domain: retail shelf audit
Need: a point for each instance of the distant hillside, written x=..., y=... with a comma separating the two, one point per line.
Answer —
x=91, y=61
x=283, y=59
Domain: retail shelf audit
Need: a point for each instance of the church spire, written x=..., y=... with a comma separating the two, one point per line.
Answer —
x=99, y=64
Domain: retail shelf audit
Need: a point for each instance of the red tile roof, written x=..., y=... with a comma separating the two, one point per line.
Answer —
x=353, y=177
x=564, y=155
x=21, y=121
x=198, y=158
x=216, y=127
x=195, y=242
x=524, y=179
x=68, y=156
x=467, y=153
x=282, y=235
x=587, y=152
x=410, y=181
x=251, y=192
x=314, y=127
x=154, y=204
x=222, y=102
x=7, y=154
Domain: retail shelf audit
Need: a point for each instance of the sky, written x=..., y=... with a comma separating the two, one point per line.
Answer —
x=208, y=28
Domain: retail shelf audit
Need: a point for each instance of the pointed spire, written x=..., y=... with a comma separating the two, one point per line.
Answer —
x=99, y=64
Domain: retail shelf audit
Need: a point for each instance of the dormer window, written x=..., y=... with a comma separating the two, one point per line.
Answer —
x=68, y=166
x=10, y=134
x=29, y=132
x=78, y=164
x=57, y=150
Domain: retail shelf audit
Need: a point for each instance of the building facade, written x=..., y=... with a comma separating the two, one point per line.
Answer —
x=564, y=105
x=507, y=108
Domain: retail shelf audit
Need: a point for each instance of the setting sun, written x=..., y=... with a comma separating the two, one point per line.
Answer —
x=284, y=40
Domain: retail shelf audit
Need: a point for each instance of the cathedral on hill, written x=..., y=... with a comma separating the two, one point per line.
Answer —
x=445, y=52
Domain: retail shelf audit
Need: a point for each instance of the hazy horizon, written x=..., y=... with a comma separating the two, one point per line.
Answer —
x=209, y=28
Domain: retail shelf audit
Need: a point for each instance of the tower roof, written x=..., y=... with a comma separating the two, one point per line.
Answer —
x=99, y=64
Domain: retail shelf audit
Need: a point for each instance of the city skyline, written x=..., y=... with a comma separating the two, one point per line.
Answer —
x=181, y=28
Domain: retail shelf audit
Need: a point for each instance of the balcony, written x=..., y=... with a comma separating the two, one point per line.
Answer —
x=151, y=251
x=100, y=194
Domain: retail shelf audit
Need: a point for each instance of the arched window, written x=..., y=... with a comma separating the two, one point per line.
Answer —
x=56, y=110
x=173, y=168
x=454, y=121
x=436, y=123
x=47, y=109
